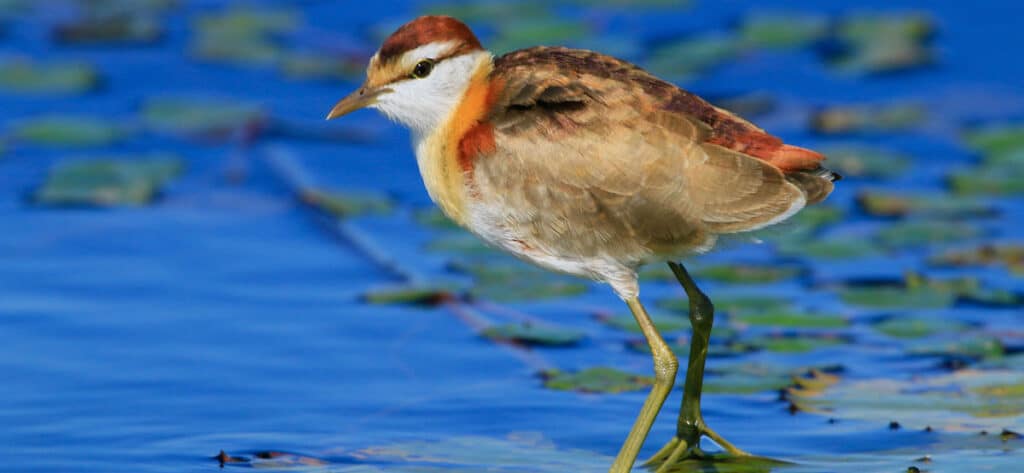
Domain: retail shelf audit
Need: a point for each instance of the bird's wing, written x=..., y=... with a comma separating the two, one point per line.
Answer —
x=599, y=138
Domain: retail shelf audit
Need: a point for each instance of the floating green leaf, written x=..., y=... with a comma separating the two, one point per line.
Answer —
x=880, y=43
x=967, y=399
x=320, y=66
x=915, y=234
x=863, y=118
x=997, y=142
x=347, y=204
x=491, y=12
x=200, y=117
x=783, y=29
x=853, y=160
x=747, y=273
x=108, y=181
x=460, y=242
x=517, y=452
x=914, y=327
x=506, y=279
x=988, y=180
x=68, y=131
x=411, y=294
x=529, y=333
x=689, y=56
x=527, y=289
x=242, y=36
x=975, y=347
x=749, y=378
x=795, y=343
x=887, y=204
x=787, y=318
x=595, y=380
x=119, y=29
x=24, y=76
x=520, y=33
x=840, y=247
x=433, y=217
x=898, y=297
x=1009, y=254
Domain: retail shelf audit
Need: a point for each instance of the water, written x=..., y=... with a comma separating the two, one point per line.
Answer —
x=225, y=317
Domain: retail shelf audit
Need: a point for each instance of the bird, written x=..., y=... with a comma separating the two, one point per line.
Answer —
x=582, y=163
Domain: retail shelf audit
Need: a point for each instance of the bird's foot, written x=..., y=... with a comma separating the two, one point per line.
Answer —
x=684, y=454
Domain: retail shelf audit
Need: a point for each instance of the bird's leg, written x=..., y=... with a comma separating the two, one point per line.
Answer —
x=665, y=367
x=691, y=426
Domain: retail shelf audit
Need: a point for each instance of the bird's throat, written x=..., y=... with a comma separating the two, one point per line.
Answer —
x=443, y=162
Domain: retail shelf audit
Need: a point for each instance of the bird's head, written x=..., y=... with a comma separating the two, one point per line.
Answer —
x=419, y=74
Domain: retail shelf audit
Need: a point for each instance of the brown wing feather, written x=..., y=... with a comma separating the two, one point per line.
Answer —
x=607, y=152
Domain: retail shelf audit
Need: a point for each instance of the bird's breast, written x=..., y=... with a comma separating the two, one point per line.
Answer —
x=446, y=158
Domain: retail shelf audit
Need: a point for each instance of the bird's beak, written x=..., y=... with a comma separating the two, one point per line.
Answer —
x=360, y=98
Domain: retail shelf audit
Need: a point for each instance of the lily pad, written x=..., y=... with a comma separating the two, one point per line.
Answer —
x=534, y=334
x=747, y=105
x=817, y=216
x=463, y=243
x=521, y=33
x=787, y=319
x=796, y=343
x=683, y=58
x=345, y=205
x=750, y=378
x=729, y=304
x=997, y=142
x=882, y=43
x=747, y=273
x=242, y=36
x=1009, y=254
x=433, y=217
x=916, y=234
x=197, y=117
x=68, y=131
x=853, y=160
x=505, y=279
x=840, y=247
x=411, y=294
x=887, y=204
x=320, y=66
x=27, y=77
x=898, y=297
x=596, y=380
x=917, y=327
x=490, y=12
x=240, y=21
x=988, y=180
x=783, y=29
x=517, y=452
x=110, y=29
x=965, y=400
x=973, y=347
x=867, y=119
x=108, y=181
x=527, y=289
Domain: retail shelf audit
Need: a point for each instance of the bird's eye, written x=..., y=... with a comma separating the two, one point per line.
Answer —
x=423, y=68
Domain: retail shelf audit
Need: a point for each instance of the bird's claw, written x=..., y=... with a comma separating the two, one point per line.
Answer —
x=679, y=450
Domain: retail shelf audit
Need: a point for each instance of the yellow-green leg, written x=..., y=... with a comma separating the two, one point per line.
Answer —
x=665, y=367
x=691, y=426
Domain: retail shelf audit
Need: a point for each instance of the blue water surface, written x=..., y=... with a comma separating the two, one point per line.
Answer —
x=225, y=316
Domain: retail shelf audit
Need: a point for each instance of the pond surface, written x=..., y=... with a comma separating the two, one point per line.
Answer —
x=218, y=311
